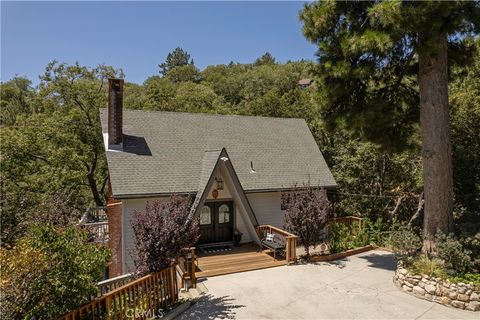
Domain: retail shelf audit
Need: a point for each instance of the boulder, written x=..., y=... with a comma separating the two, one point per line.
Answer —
x=458, y=304
x=452, y=295
x=445, y=300
x=402, y=271
x=430, y=288
x=474, y=297
x=407, y=288
x=463, y=297
x=418, y=290
x=473, y=306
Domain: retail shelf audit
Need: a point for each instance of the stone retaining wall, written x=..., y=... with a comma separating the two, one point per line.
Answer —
x=458, y=295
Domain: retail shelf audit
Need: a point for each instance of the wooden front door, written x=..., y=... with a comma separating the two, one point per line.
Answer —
x=216, y=222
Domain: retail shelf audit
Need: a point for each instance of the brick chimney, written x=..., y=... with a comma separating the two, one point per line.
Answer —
x=115, y=114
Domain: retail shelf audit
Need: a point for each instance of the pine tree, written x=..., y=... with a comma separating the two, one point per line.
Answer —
x=177, y=58
x=379, y=61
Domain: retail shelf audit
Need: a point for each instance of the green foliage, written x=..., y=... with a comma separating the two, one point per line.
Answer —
x=58, y=149
x=471, y=243
x=16, y=99
x=266, y=58
x=406, y=244
x=368, y=60
x=177, y=58
x=49, y=272
x=465, y=123
x=467, y=278
x=340, y=238
x=455, y=256
x=431, y=267
x=184, y=73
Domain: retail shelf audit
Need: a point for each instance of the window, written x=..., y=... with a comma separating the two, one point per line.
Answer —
x=205, y=215
x=224, y=214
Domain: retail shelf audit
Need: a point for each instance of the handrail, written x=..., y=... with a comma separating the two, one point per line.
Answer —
x=111, y=284
x=141, y=297
x=290, y=241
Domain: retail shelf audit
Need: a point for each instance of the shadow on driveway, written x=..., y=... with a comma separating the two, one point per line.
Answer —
x=381, y=261
x=211, y=307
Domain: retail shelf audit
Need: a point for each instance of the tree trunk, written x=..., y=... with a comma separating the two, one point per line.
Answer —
x=435, y=130
x=93, y=187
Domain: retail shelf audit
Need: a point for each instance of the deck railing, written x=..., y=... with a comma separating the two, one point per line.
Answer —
x=111, y=284
x=98, y=231
x=290, y=240
x=186, y=268
x=141, y=298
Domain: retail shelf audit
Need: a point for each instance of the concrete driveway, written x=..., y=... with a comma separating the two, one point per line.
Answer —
x=358, y=287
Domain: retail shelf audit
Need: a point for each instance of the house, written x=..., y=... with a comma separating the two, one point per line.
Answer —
x=236, y=167
x=305, y=83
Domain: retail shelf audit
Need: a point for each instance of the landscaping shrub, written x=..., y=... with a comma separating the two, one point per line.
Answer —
x=343, y=238
x=49, y=272
x=340, y=238
x=406, y=244
x=456, y=257
x=467, y=278
x=162, y=233
x=425, y=265
x=472, y=244
x=306, y=214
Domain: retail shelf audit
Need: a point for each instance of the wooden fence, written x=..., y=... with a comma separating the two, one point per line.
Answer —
x=142, y=298
x=290, y=241
x=111, y=284
x=349, y=221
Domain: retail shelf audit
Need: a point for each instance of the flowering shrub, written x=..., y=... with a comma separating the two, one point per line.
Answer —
x=162, y=232
x=306, y=214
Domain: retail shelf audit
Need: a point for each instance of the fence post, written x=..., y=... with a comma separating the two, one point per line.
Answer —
x=172, y=285
x=107, y=307
x=288, y=250
x=192, y=269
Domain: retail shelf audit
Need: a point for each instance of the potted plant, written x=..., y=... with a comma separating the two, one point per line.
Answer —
x=237, y=236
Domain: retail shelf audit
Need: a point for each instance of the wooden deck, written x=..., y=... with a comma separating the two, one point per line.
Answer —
x=247, y=257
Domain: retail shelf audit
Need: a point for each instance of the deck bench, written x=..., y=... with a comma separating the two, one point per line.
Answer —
x=278, y=243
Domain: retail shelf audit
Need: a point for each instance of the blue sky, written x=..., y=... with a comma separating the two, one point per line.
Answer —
x=137, y=36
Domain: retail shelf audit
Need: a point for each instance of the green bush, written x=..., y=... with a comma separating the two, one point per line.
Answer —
x=431, y=267
x=451, y=251
x=340, y=238
x=467, y=278
x=49, y=272
x=406, y=244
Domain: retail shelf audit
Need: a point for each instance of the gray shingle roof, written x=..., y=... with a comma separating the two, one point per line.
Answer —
x=163, y=152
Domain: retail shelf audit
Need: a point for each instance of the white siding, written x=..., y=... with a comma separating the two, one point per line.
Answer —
x=241, y=226
x=267, y=208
